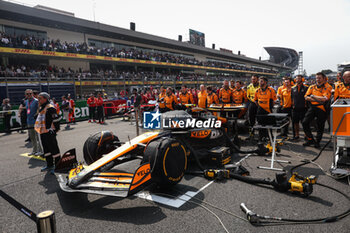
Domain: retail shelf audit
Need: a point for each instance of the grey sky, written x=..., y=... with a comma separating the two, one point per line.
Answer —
x=320, y=28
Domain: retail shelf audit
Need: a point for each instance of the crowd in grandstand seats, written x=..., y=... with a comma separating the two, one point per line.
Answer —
x=58, y=73
x=31, y=42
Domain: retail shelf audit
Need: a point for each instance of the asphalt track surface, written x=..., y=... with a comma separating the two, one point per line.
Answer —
x=77, y=212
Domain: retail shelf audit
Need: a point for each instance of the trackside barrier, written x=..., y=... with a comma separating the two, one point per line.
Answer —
x=45, y=221
x=15, y=118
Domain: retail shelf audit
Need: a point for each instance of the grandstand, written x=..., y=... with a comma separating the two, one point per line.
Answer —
x=44, y=45
x=283, y=56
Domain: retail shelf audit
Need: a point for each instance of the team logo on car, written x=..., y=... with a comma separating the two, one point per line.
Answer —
x=151, y=120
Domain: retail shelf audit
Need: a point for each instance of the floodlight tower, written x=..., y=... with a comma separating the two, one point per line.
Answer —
x=300, y=63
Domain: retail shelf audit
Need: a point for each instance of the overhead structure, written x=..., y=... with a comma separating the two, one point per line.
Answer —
x=283, y=56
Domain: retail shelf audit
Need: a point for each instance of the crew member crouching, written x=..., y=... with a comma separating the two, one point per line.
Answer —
x=47, y=124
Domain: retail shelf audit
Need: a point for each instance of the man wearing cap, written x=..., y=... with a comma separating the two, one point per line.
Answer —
x=47, y=124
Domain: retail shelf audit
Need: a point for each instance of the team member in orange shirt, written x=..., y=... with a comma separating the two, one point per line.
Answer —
x=170, y=100
x=202, y=97
x=286, y=102
x=339, y=80
x=239, y=96
x=161, y=97
x=342, y=90
x=212, y=98
x=279, y=93
x=185, y=97
x=265, y=97
x=225, y=94
x=317, y=95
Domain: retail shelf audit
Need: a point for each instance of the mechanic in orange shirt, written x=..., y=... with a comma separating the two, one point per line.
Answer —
x=342, y=90
x=225, y=94
x=170, y=100
x=239, y=96
x=279, y=93
x=161, y=97
x=202, y=97
x=185, y=97
x=265, y=97
x=212, y=98
x=317, y=95
x=286, y=102
x=339, y=80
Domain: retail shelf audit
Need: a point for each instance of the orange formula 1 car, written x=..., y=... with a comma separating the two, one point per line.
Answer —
x=165, y=157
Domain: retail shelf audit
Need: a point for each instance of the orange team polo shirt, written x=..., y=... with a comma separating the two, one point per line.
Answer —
x=239, y=96
x=341, y=91
x=279, y=92
x=202, y=97
x=225, y=95
x=319, y=91
x=212, y=98
x=161, y=95
x=263, y=97
x=286, y=95
x=186, y=98
x=169, y=100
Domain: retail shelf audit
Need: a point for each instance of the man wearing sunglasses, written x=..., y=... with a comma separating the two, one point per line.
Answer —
x=32, y=105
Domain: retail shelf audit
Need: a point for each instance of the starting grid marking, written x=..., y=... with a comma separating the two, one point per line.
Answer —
x=32, y=156
x=175, y=202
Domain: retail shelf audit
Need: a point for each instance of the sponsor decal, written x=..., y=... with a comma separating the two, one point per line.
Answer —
x=200, y=134
x=71, y=55
x=152, y=120
x=22, y=51
x=50, y=53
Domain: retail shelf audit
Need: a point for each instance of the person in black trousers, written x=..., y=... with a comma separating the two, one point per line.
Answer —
x=23, y=115
x=6, y=107
x=47, y=125
x=100, y=113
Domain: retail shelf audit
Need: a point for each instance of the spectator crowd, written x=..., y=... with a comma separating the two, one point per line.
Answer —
x=32, y=42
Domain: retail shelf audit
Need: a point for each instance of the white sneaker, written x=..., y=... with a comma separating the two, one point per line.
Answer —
x=39, y=154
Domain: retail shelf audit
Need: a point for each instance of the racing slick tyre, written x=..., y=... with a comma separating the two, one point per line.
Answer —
x=168, y=159
x=99, y=144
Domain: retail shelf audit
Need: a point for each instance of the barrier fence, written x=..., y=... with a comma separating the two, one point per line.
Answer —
x=45, y=221
x=81, y=112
